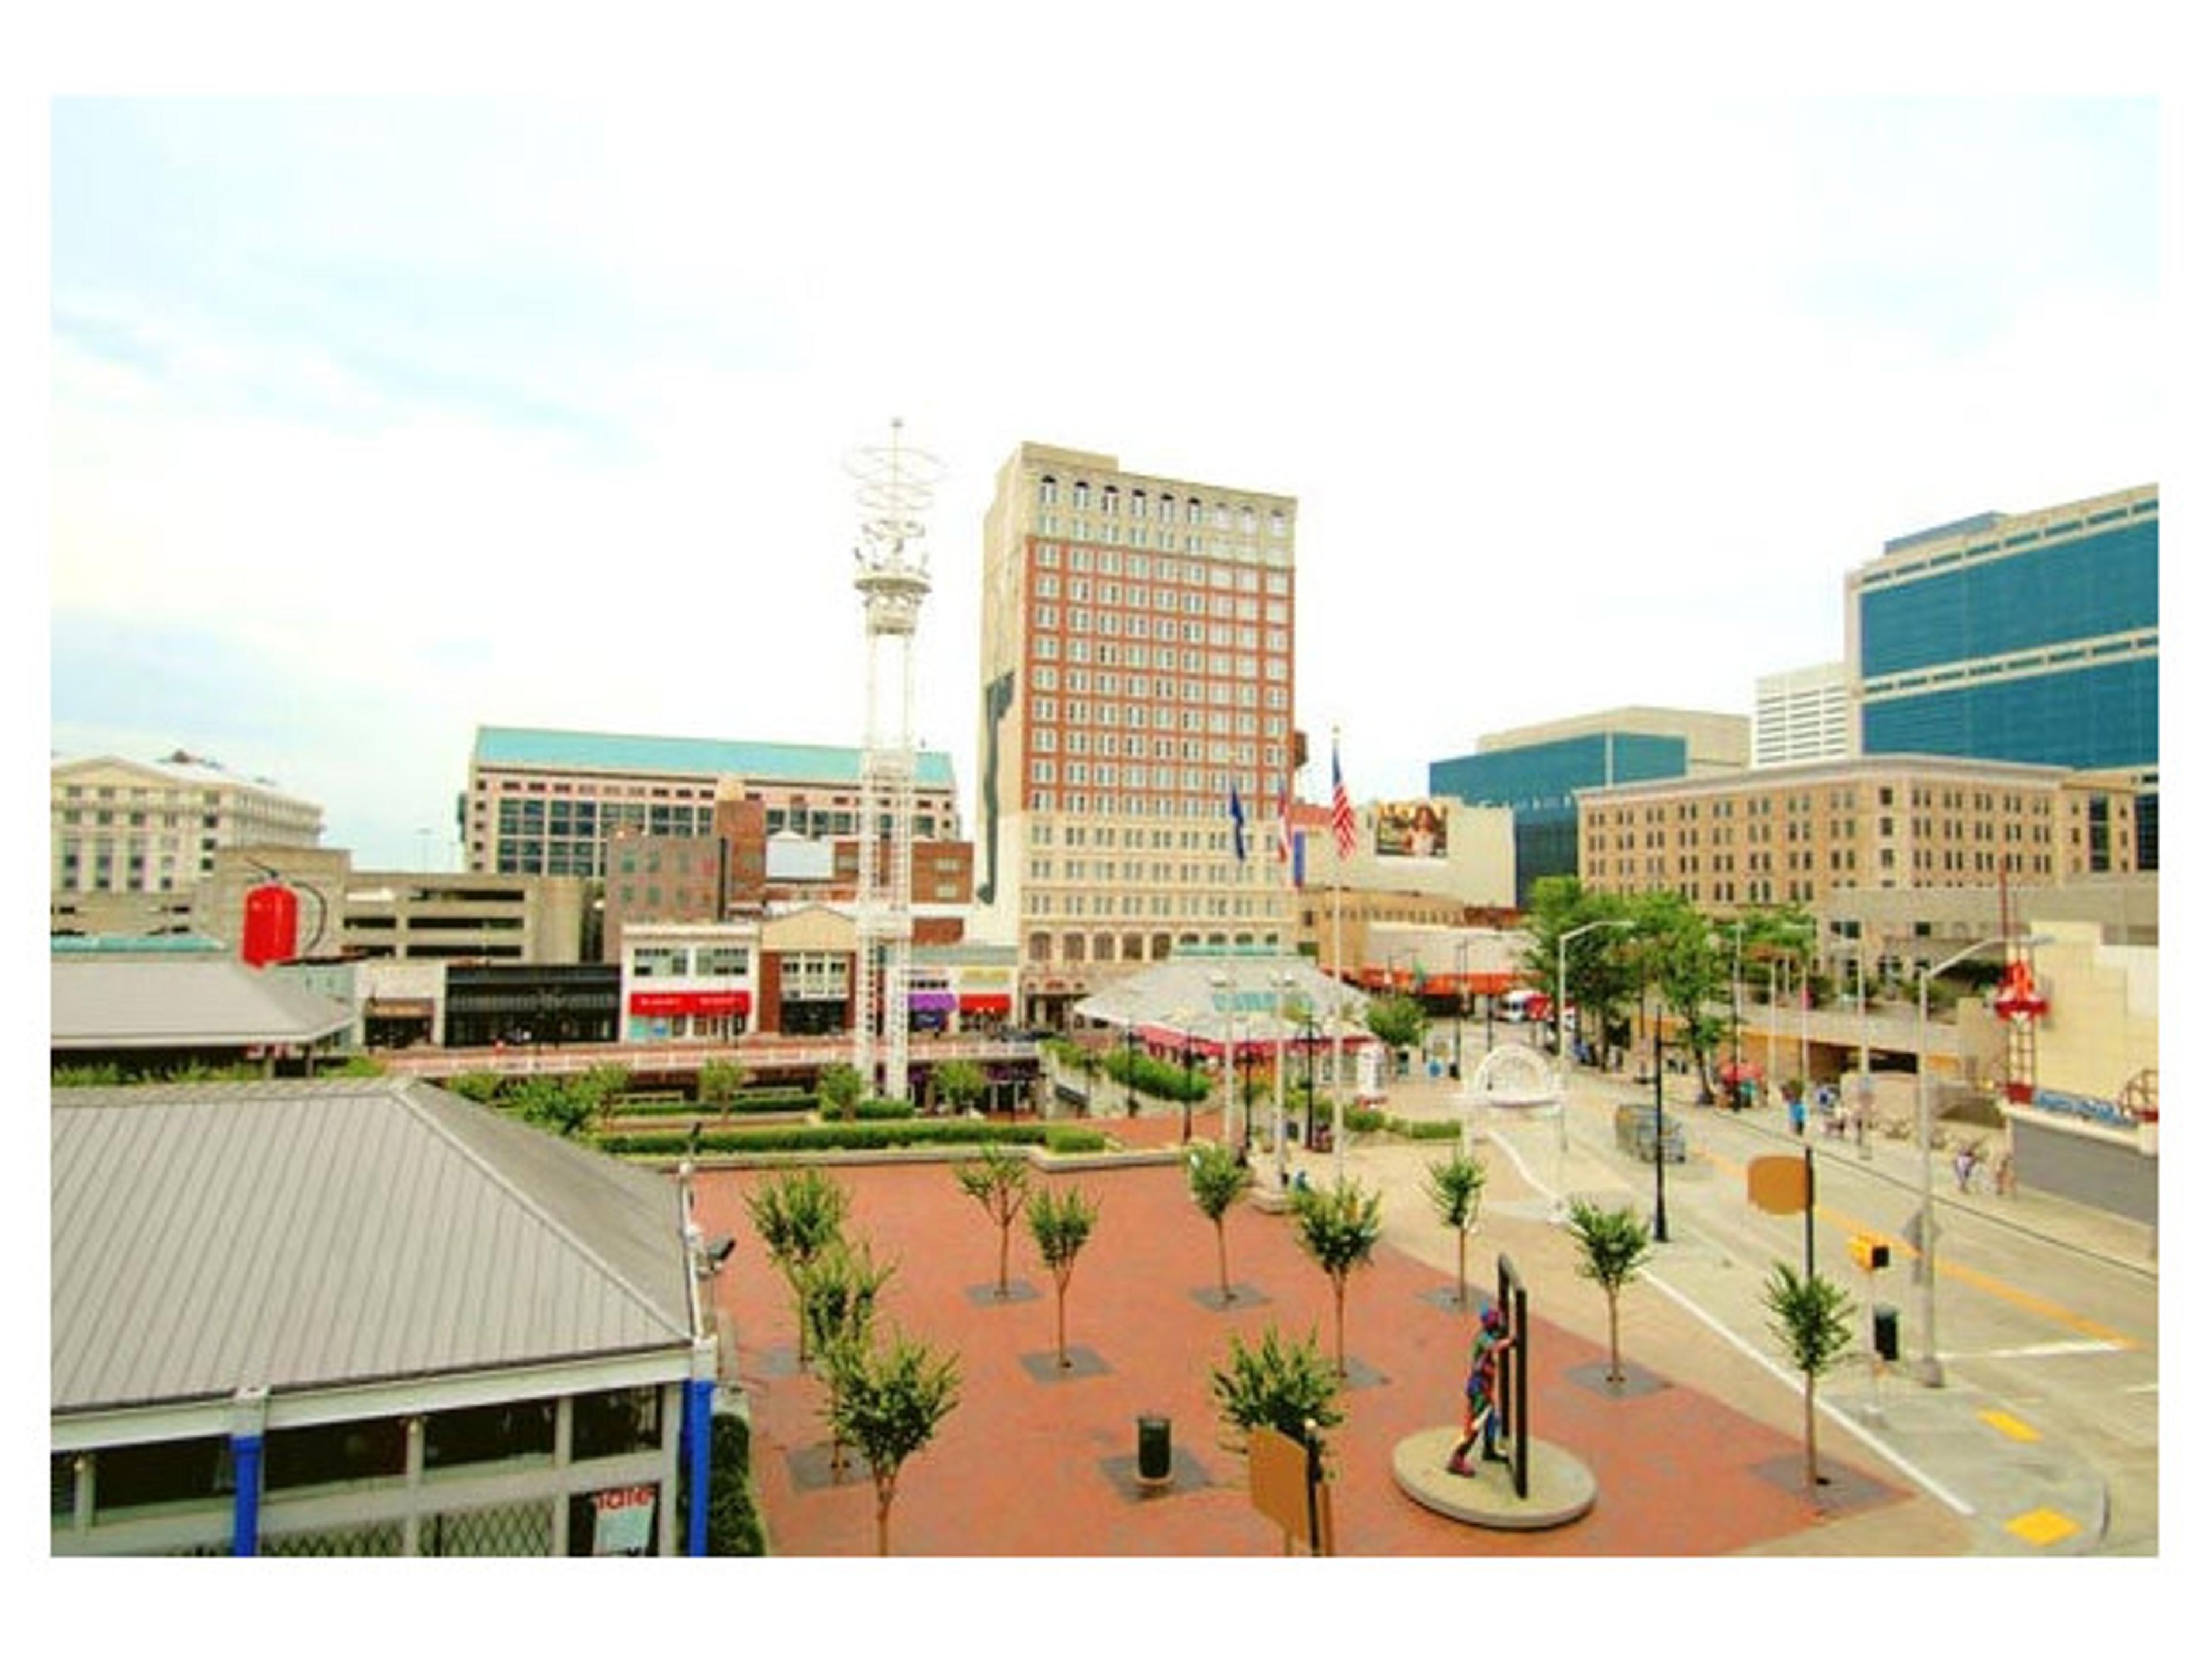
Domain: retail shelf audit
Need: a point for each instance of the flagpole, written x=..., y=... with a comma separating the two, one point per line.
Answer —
x=1284, y=851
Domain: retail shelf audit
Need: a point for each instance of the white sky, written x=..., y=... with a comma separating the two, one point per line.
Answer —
x=372, y=421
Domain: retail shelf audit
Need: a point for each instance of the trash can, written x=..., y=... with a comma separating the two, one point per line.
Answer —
x=1155, y=1451
x=1884, y=1331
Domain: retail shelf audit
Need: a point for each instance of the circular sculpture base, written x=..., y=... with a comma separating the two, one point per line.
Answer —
x=1560, y=1489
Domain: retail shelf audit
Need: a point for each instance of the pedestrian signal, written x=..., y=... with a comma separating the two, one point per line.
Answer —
x=1869, y=1253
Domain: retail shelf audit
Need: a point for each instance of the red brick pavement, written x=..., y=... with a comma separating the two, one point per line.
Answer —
x=1025, y=1466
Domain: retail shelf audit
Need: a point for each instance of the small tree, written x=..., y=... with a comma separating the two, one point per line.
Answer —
x=1455, y=1191
x=1614, y=1245
x=998, y=1181
x=1812, y=1318
x=1398, y=1021
x=838, y=1089
x=1339, y=1227
x=555, y=1103
x=887, y=1401
x=959, y=1084
x=1278, y=1385
x=1218, y=1180
x=720, y=1083
x=1060, y=1223
x=837, y=1293
x=482, y=1087
x=797, y=1215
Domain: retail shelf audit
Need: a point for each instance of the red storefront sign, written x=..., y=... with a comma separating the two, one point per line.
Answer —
x=663, y=1004
x=985, y=1002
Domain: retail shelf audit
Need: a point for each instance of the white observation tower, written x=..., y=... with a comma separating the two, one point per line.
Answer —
x=890, y=568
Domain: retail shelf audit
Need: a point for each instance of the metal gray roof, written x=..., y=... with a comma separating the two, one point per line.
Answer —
x=304, y=1235
x=152, y=1002
x=1211, y=998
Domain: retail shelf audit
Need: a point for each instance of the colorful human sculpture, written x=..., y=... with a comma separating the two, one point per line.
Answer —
x=1482, y=1418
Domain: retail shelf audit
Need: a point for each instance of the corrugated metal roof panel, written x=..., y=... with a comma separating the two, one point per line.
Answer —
x=296, y=1235
x=120, y=1002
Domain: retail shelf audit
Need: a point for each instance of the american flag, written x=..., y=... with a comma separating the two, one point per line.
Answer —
x=1340, y=808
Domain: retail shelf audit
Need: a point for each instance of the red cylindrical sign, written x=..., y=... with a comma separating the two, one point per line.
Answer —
x=272, y=925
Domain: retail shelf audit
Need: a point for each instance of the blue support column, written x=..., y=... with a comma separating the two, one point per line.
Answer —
x=698, y=1440
x=249, y=1413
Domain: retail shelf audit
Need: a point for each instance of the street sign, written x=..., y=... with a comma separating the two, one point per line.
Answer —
x=1779, y=1185
x=1288, y=1492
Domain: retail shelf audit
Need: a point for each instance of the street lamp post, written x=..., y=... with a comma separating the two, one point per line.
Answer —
x=1459, y=1008
x=1186, y=1076
x=1736, y=1017
x=1283, y=981
x=1658, y=1137
x=1559, y=1019
x=1129, y=1065
x=1930, y=1369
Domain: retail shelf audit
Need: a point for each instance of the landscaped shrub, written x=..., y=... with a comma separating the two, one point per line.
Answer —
x=878, y=1109
x=1060, y=1138
x=1424, y=1128
x=1166, y=1080
x=1363, y=1120
x=826, y=1137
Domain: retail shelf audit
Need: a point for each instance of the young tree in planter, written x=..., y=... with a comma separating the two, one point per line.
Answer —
x=837, y=1293
x=887, y=1401
x=959, y=1084
x=1278, y=1385
x=1614, y=1245
x=1338, y=1227
x=1060, y=1223
x=721, y=1082
x=1455, y=1191
x=998, y=1181
x=1812, y=1318
x=838, y=1089
x=1218, y=1180
x=555, y=1103
x=797, y=1215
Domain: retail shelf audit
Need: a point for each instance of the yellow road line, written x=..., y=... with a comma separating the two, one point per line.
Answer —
x=2026, y=1301
x=2009, y=1426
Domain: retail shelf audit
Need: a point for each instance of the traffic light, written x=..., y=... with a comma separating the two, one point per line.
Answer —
x=1869, y=1253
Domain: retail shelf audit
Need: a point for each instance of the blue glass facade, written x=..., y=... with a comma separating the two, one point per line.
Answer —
x=2021, y=639
x=1538, y=781
x=2043, y=595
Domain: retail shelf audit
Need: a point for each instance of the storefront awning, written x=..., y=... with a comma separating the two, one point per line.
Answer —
x=697, y=1004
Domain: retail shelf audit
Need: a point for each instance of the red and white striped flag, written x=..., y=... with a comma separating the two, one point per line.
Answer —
x=1339, y=806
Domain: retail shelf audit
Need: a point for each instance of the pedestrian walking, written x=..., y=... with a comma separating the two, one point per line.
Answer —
x=1797, y=1116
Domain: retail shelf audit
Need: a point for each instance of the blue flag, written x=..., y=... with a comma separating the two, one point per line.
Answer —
x=1237, y=823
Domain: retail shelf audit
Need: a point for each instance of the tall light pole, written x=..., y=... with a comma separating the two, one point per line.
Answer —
x=1459, y=1008
x=1736, y=1016
x=1559, y=1025
x=1930, y=1369
x=1283, y=981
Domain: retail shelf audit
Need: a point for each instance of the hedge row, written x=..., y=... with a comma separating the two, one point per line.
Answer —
x=855, y=1137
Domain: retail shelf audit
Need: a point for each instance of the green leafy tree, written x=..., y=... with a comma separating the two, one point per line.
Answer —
x=1812, y=1320
x=1339, y=1227
x=482, y=1087
x=999, y=1179
x=837, y=1293
x=1400, y=1022
x=1218, y=1180
x=1454, y=1187
x=959, y=1084
x=555, y=1103
x=1614, y=1246
x=734, y=1524
x=1689, y=968
x=720, y=1083
x=603, y=1086
x=1060, y=1223
x=839, y=1090
x=887, y=1402
x=1600, y=973
x=797, y=1215
x=1276, y=1384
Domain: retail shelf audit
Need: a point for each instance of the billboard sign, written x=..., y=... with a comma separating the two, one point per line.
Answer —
x=1409, y=829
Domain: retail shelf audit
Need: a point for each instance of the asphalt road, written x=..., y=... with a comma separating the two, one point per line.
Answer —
x=2045, y=1430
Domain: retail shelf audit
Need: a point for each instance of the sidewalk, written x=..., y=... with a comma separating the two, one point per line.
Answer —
x=2016, y=1491
x=1700, y=1454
